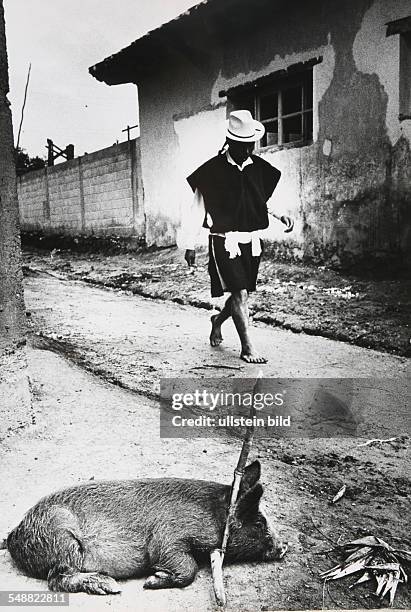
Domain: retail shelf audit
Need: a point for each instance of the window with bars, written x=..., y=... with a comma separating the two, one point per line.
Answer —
x=284, y=106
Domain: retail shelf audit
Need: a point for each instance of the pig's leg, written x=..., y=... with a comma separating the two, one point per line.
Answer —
x=49, y=543
x=66, y=566
x=177, y=569
x=71, y=580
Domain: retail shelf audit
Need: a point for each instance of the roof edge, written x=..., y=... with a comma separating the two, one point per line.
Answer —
x=111, y=69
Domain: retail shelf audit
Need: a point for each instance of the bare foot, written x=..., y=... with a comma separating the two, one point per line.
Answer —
x=215, y=337
x=250, y=356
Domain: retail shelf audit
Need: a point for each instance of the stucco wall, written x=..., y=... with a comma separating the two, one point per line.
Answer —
x=348, y=190
x=98, y=193
x=14, y=388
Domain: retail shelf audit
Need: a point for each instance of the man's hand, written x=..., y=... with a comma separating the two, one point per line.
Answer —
x=190, y=257
x=289, y=223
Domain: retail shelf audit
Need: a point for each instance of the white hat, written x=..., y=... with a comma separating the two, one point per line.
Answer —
x=242, y=127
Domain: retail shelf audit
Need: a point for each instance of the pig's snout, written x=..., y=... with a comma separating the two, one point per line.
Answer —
x=275, y=550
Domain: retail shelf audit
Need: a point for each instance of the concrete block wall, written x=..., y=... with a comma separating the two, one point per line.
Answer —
x=32, y=193
x=99, y=193
x=108, y=190
x=64, y=197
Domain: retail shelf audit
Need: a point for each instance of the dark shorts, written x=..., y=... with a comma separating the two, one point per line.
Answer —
x=231, y=274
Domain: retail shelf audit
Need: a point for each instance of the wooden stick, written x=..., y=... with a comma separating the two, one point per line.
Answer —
x=274, y=215
x=24, y=105
x=217, y=555
x=216, y=560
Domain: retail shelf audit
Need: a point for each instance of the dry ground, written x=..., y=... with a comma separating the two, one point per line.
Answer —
x=86, y=428
x=370, y=312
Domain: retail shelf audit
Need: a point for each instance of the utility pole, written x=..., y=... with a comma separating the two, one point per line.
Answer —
x=128, y=130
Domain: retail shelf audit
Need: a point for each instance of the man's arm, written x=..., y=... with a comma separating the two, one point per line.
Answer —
x=272, y=176
x=190, y=227
x=287, y=221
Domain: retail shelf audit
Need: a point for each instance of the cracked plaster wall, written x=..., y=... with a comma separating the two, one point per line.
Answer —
x=347, y=190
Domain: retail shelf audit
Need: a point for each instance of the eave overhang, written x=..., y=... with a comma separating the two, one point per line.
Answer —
x=183, y=36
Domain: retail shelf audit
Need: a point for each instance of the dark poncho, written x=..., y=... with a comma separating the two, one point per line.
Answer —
x=236, y=199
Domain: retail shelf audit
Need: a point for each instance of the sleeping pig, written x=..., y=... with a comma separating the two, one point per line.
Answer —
x=82, y=537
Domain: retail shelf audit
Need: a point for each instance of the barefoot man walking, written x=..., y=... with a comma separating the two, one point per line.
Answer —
x=231, y=192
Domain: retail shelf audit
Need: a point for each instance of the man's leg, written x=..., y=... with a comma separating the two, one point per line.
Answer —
x=239, y=312
x=216, y=322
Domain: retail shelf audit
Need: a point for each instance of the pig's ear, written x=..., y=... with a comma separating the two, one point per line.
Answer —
x=247, y=506
x=251, y=476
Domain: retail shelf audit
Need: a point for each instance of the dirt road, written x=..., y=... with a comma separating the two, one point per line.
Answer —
x=372, y=313
x=88, y=428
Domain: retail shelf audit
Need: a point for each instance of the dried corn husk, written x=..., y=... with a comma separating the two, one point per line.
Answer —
x=366, y=577
x=381, y=562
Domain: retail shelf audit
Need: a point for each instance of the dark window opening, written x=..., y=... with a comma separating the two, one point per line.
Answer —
x=284, y=106
x=402, y=27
